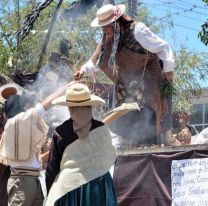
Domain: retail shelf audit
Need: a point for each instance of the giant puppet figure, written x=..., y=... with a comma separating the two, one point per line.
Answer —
x=132, y=56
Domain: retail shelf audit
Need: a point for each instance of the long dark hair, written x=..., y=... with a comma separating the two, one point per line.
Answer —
x=125, y=21
x=125, y=24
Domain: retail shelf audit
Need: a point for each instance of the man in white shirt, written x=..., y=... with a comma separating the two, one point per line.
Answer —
x=130, y=55
x=23, y=137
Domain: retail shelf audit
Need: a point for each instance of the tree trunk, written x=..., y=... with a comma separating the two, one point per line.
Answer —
x=44, y=47
x=130, y=7
x=112, y=2
x=134, y=8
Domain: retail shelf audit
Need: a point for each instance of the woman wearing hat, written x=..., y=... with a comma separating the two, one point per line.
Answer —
x=81, y=155
x=131, y=56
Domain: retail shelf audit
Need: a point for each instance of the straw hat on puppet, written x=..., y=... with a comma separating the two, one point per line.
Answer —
x=78, y=95
x=8, y=90
x=108, y=14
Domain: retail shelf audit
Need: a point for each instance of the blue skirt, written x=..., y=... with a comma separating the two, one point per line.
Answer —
x=98, y=192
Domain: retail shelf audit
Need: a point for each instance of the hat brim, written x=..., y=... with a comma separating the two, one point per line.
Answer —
x=8, y=90
x=96, y=23
x=94, y=101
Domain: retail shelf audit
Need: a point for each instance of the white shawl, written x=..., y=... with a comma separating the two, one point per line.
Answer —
x=82, y=161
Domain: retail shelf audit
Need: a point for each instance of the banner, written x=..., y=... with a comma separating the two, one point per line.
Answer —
x=189, y=180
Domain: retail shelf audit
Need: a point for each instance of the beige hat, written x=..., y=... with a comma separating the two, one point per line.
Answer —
x=78, y=95
x=8, y=90
x=108, y=14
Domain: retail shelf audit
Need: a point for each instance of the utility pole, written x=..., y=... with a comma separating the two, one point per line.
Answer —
x=18, y=22
x=47, y=38
x=132, y=7
x=112, y=2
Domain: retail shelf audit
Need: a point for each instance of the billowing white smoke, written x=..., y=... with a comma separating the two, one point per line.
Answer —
x=49, y=79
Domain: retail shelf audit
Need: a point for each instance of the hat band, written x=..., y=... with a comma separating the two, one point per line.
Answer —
x=78, y=101
x=115, y=14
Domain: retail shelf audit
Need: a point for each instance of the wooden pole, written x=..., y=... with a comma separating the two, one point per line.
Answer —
x=47, y=38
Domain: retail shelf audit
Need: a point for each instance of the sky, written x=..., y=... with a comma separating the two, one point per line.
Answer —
x=187, y=16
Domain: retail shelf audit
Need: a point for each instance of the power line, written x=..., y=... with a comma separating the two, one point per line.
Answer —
x=186, y=27
x=205, y=5
x=176, y=14
x=179, y=8
x=174, y=24
x=189, y=17
x=183, y=2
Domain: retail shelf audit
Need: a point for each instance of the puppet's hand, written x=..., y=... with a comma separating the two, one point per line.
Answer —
x=78, y=75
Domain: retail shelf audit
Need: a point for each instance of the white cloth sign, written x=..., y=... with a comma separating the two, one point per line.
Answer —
x=189, y=179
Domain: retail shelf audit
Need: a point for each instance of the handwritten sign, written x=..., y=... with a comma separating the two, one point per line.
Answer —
x=189, y=179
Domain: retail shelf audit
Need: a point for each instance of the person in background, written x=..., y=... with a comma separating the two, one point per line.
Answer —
x=24, y=134
x=81, y=155
x=6, y=91
x=131, y=55
x=182, y=131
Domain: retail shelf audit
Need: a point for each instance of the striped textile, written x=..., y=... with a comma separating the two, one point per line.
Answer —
x=133, y=83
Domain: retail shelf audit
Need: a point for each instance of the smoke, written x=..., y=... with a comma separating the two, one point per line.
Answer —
x=134, y=129
x=50, y=78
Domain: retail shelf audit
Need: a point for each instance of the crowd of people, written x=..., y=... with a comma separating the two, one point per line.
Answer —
x=80, y=152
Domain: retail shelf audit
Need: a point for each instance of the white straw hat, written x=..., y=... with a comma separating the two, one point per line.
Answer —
x=108, y=14
x=8, y=90
x=78, y=95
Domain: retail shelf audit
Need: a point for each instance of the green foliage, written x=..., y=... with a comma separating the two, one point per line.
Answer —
x=83, y=37
x=25, y=54
x=203, y=34
x=190, y=69
x=167, y=88
x=84, y=40
x=4, y=54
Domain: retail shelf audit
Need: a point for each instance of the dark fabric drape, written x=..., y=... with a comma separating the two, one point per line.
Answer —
x=4, y=175
x=98, y=192
x=145, y=179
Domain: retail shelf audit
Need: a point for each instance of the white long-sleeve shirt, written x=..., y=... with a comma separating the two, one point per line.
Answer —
x=148, y=41
x=32, y=162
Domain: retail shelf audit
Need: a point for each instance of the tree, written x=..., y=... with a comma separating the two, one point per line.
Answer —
x=83, y=38
x=191, y=68
x=22, y=55
x=203, y=34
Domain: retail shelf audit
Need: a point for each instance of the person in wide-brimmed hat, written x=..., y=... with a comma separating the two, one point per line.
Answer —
x=23, y=137
x=137, y=61
x=8, y=90
x=81, y=155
